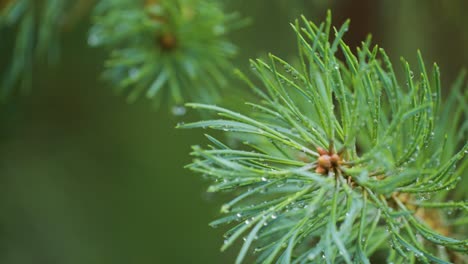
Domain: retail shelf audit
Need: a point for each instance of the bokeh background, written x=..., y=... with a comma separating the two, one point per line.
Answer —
x=87, y=178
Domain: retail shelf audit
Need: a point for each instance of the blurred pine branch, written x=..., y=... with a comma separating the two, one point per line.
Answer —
x=166, y=50
x=36, y=26
x=342, y=161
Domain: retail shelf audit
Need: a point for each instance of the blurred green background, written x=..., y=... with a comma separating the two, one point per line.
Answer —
x=87, y=178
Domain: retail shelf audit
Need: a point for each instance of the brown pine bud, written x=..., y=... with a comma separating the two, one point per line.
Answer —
x=168, y=41
x=335, y=159
x=324, y=162
x=320, y=170
x=321, y=151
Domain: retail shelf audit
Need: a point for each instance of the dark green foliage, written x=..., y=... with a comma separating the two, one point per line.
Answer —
x=342, y=159
x=36, y=26
x=165, y=50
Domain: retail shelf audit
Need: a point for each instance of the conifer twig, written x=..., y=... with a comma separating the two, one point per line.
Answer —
x=340, y=158
x=166, y=50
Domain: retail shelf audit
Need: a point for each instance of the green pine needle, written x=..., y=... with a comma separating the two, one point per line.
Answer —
x=168, y=50
x=36, y=26
x=341, y=159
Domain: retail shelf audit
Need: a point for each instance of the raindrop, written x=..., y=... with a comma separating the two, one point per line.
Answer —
x=179, y=110
x=219, y=30
x=424, y=196
x=280, y=184
x=226, y=208
x=94, y=39
x=133, y=73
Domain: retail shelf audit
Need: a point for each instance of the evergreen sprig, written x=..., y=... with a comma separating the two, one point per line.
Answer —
x=36, y=26
x=342, y=161
x=175, y=47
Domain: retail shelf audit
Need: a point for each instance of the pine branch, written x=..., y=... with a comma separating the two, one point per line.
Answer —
x=174, y=47
x=36, y=26
x=340, y=158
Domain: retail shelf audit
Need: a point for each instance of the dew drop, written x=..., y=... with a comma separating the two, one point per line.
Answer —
x=179, y=110
x=226, y=208
x=311, y=256
x=219, y=30
x=94, y=39
x=133, y=73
